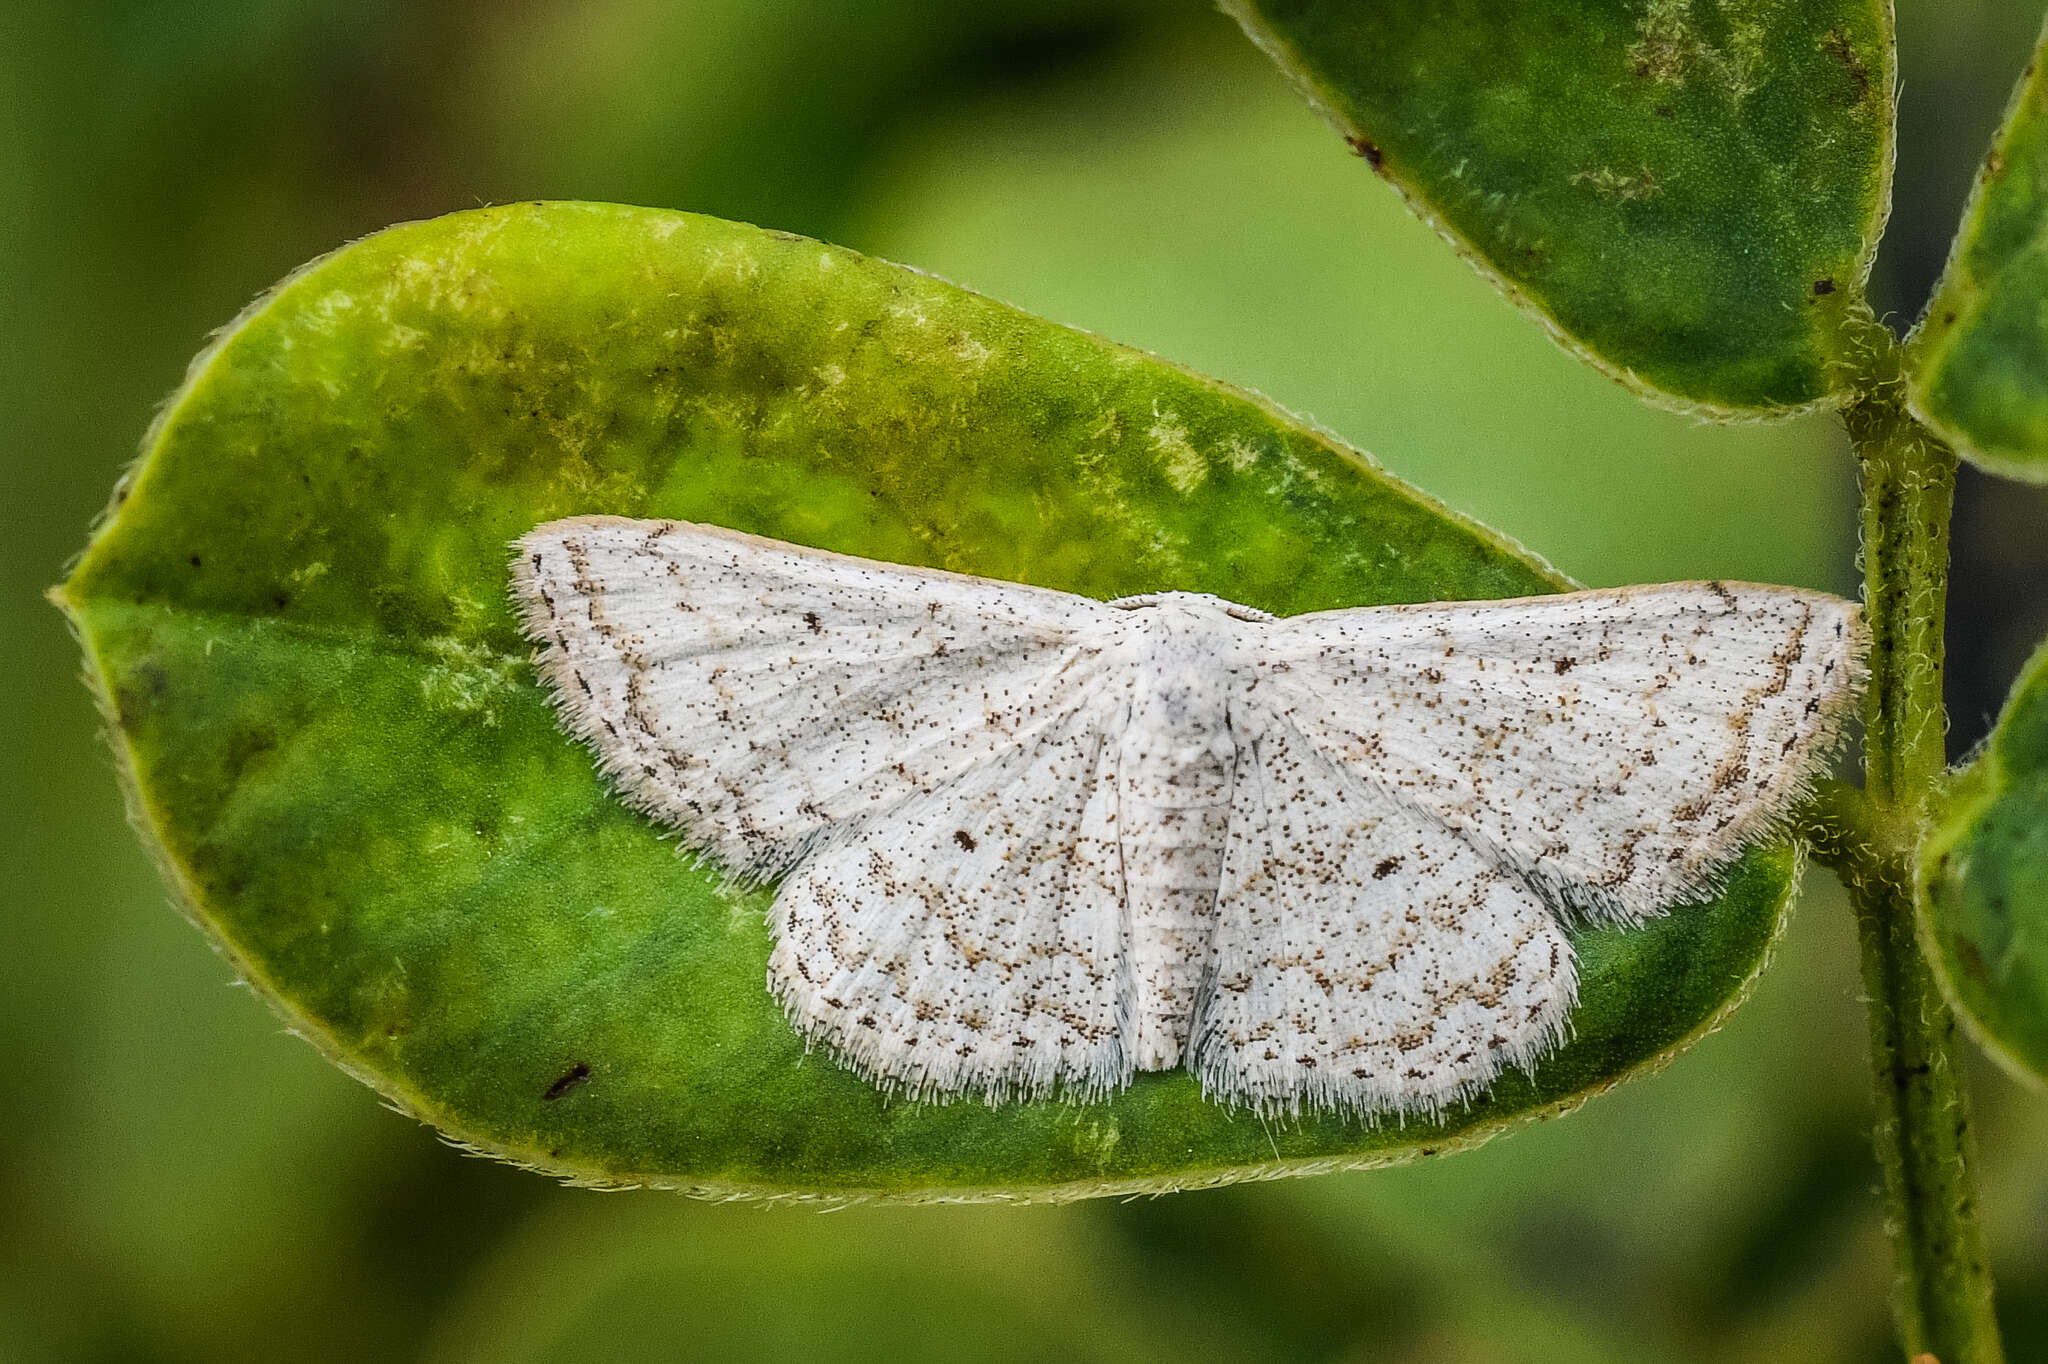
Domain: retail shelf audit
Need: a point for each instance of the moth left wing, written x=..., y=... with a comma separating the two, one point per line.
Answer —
x=976, y=939
x=1618, y=747
x=757, y=693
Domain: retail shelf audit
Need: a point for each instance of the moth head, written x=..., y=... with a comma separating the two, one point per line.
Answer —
x=1192, y=603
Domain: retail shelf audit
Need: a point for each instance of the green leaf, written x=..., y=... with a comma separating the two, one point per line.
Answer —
x=299, y=618
x=1983, y=877
x=1686, y=192
x=1977, y=368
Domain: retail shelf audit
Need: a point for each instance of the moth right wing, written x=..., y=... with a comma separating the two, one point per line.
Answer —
x=758, y=694
x=1366, y=959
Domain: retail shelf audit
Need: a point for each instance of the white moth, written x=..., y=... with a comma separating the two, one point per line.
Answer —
x=1035, y=842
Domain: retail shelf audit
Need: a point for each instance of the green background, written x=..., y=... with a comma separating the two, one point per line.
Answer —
x=178, y=1181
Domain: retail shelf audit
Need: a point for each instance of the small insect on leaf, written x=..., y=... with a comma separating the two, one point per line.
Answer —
x=1034, y=842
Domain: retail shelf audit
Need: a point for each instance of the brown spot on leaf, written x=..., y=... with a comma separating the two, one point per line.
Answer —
x=137, y=694
x=1387, y=867
x=1835, y=43
x=1971, y=960
x=572, y=1078
x=964, y=839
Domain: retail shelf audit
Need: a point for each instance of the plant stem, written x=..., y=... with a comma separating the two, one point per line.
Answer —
x=1922, y=1132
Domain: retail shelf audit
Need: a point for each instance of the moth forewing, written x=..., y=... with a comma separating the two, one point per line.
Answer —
x=1619, y=747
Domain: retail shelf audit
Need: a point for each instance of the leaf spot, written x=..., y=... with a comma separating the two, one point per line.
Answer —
x=572, y=1078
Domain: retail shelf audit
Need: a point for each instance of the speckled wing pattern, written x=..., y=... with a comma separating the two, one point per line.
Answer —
x=759, y=694
x=1031, y=842
x=1617, y=747
x=1366, y=959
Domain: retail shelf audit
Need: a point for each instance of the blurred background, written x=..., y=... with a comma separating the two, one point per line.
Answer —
x=180, y=1181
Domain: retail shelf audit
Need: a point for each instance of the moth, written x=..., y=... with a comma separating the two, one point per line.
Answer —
x=1031, y=842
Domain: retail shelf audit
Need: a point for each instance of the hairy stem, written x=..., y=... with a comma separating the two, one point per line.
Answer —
x=1923, y=1137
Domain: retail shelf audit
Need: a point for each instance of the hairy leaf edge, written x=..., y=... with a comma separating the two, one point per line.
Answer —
x=1972, y=788
x=1923, y=352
